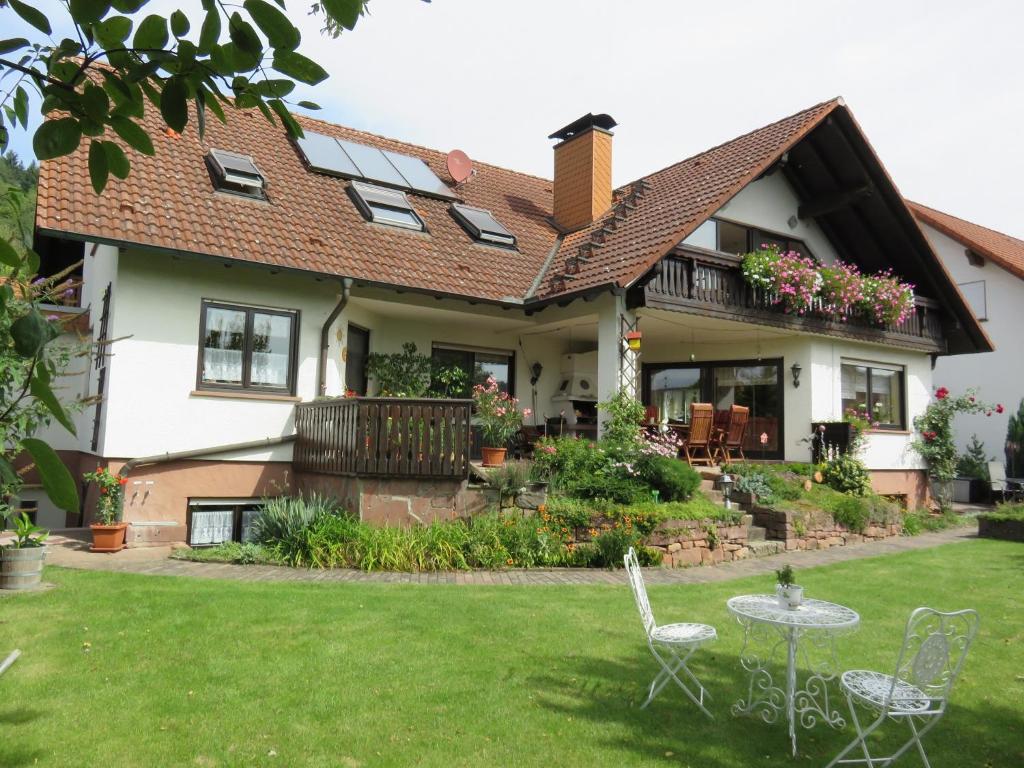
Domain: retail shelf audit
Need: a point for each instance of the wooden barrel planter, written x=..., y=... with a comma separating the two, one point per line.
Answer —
x=21, y=568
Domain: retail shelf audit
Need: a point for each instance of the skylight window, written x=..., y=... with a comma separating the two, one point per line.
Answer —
x=236, y=173
x=385, y=206
x=482, y=225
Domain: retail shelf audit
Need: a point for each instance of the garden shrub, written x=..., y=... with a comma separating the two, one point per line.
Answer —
x=568, y=511
x=1005, y=513
x=285, y=521
x=756, y=484
x=853, y=512
x=673, y=479
x=510, y=477
x=847, y=474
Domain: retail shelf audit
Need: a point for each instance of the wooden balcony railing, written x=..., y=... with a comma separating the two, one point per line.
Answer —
x=383, y=437
x=714, y=285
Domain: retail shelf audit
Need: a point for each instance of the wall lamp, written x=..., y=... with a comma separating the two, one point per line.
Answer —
x=796, y=369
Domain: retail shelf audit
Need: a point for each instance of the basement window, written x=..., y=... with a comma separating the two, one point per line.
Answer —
x=236, y=174
x=482, y=225
x=385, y=206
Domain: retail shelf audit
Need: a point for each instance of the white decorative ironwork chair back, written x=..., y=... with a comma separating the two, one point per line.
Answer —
x=934, y=648
x=636, y=583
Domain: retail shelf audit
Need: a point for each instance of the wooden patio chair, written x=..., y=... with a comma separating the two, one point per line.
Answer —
x=698, y=438
x=729, y=438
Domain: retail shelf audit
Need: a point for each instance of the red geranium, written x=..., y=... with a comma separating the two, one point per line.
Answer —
x=942, y=393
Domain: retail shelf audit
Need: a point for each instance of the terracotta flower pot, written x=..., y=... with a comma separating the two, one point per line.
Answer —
x=108, y=538
x=493, y=457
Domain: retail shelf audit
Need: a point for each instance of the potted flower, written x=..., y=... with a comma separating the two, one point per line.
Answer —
x=787, y=592
x=108, y=532
x=21, y=561
x=498, y=415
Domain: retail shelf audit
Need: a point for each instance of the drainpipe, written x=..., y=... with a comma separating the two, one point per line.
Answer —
x=162, y=458
x=325, y=336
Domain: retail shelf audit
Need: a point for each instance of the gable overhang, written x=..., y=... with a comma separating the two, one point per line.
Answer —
x=845, y=189
x=843, y=186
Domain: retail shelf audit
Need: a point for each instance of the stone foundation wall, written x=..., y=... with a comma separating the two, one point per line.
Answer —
x=699, y=542
x=391, y=501
x=817, y=530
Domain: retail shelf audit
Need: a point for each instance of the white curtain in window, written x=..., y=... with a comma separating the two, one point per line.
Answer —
x=222, y=365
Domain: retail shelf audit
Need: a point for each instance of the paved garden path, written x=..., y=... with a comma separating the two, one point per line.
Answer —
x=70, y=552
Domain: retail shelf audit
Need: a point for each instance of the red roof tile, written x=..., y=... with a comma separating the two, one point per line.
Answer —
x=654, y=214
x=1003, y=250
x=309, y=222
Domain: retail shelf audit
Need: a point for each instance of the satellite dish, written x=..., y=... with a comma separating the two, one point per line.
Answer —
x=459, y=165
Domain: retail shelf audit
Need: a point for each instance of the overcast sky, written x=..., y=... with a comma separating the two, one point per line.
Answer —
x=937, y=86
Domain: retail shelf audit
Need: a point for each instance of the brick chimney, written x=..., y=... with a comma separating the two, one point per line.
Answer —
x=583, y=171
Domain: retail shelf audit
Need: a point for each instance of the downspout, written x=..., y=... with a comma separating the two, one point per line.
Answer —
x=325, y=336
x=162, y=458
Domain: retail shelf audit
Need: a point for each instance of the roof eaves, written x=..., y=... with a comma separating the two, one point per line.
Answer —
x=927, y=215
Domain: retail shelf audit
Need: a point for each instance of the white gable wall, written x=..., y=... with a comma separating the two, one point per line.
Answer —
x=769, y=203
x=999, y=375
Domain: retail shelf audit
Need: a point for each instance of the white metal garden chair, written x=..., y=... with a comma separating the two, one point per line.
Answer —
x=935, y=645
x=671, y=644
x=11, y=658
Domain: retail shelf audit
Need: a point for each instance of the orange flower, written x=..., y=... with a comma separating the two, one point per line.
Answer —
x=509, y=561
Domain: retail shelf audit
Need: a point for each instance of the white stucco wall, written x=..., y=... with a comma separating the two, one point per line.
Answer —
x=819, y=396
x=769, y=203
x=151, y=406
x=999, y=375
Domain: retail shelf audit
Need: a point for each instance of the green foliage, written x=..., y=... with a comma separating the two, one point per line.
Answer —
x=974, y=462
x=785, y=576
x=111, y=494
x=510, y=477
x=588, y=470
x=27, y=534
x=249, y=553
x=757, y=484
x=1005, y=512
x=919, y=521
x=1015, y=443
x=673, y=479
x=853, y=512
x=411, y=374
x=243, y=56
x=935, y=441
x=847, y=474
x=286, y=521
x=622, y=428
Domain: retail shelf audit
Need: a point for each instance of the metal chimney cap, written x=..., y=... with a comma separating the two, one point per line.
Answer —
x=589, y=120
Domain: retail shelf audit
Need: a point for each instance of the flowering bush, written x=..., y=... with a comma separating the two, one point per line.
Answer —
x=108, y=508
x=498, y=413
x=801, y=285
x=935, y=444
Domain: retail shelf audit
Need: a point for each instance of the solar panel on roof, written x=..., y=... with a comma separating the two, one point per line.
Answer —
x=372, y=164
x=324, y=154
x=419, y=175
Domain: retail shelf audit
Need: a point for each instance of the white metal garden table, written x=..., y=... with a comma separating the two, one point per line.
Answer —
x=767, y=628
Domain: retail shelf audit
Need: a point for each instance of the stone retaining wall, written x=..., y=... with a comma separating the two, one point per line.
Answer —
x=700, y=542
x=817, y=530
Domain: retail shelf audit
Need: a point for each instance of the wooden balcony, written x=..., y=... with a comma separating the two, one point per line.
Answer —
x=709, y=284
x=383, y=437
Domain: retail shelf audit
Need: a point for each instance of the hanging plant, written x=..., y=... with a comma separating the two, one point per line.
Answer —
x=841, y=286
x=792, y=280
x=886, y=299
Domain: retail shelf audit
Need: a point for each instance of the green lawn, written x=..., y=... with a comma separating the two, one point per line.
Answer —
x=125, y=670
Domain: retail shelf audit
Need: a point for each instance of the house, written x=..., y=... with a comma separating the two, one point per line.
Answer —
x=247, y=275
x=988, y=267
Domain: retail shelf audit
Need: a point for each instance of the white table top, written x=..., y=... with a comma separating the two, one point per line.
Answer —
x=812, y=614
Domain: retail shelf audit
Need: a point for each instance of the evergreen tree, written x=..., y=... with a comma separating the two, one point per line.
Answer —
x=974, y=463
x=1015, y=443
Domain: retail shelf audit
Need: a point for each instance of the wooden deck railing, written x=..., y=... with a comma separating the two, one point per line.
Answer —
x=715, y=285
x=383, y=437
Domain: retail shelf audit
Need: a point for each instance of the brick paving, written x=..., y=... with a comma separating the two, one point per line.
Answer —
x=69, y=551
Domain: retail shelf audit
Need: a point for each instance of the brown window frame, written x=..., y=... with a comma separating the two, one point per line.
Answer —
x=246, y=385
x=900, y=370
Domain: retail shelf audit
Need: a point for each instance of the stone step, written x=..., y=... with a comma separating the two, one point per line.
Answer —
x=707, y=485
x=715, y=496
x=765, y=548
x=757, y=533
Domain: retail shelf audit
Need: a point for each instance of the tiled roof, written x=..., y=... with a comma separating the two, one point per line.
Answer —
x=1003, y=250
x=655, y=213
x=310, y=223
